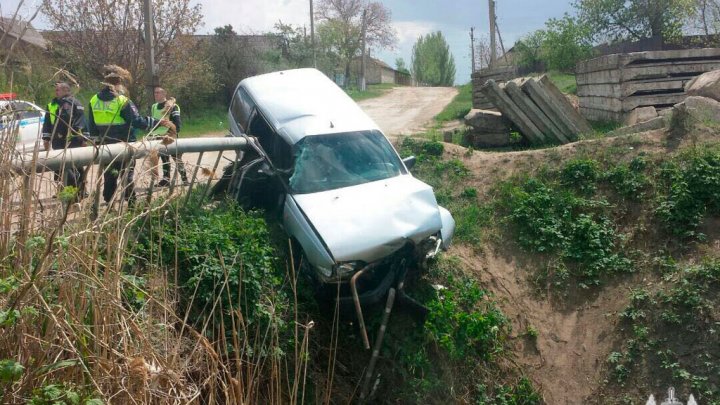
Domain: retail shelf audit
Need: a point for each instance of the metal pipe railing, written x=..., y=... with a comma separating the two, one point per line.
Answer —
x=56, y=159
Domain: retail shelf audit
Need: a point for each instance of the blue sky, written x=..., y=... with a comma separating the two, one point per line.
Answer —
x=411, y=18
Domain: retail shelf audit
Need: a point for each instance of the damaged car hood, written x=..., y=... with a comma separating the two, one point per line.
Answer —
x=370, y=221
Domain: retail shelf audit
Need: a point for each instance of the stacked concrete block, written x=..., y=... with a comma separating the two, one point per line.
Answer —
x=540, y=112
x=500, y=74
x=487, y=129
x=611, y=86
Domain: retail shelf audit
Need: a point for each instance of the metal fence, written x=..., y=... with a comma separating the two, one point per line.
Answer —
x=32, y=189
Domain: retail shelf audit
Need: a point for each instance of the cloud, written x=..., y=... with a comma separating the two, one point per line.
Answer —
x=409, y=31
x=254, y=16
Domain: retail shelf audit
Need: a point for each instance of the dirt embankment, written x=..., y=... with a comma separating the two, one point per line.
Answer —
x=574, y=335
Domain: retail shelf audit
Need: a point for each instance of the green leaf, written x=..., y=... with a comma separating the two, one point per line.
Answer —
x=10, y=370
x=58, y=365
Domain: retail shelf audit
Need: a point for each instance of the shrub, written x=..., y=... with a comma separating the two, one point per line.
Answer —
x=581, y=174
x=422, y=148
x=551, y=220
x=461, y=322
x=690, y=189
x=222, y=254
x=629, y=180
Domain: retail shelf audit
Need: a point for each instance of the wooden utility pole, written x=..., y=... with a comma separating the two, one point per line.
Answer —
x=312, y=34
x=472, y=48
x=493, y=30
x=362, y=62
x=150, y=77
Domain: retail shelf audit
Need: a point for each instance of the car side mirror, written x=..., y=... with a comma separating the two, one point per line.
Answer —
x=410, y=162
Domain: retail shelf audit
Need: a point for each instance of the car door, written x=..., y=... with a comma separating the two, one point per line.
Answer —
x=271, y=184
x=29, y=119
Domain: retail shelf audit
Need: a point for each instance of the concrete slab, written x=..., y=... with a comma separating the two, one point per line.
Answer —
x=616, y=61
x=500, y=71
x=634, y=102
x=547, y=103
x=594, y=114
x=538, y=117
x=607, y=62
x=509, y=109
x=640, y=115
x=653, y=124
x=602, y=103
x=563, y=103
x=487, y=139
x=600, y=77
x=487, y=121
x=667, y=70
x=622, y=90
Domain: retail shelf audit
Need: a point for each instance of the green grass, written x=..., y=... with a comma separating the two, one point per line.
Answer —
x=200, y=123
x=459, y=106
x=603, y=127
x=373, y=90
x=564, y=81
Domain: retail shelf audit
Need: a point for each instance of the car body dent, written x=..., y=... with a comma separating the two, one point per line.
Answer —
x=296, y=224
x=370, y=221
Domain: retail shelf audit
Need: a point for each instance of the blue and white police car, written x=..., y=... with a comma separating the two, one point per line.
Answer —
x=20, y=123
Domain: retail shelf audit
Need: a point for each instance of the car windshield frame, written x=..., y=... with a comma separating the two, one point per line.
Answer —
x=333, y=161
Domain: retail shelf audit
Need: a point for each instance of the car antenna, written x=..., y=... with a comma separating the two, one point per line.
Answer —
x=332, y=125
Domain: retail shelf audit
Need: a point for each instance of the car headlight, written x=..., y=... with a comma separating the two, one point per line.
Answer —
x=345, y=270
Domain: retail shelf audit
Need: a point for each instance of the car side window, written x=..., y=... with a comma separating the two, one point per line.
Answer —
x=260, y=129
x=279, y=151
x=242, y=108
x=25, y=110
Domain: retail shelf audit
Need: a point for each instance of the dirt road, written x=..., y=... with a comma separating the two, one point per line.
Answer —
x=407, y=110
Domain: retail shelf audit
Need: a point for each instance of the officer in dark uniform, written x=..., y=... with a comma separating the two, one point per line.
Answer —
x=112, y=118
x=64, y=127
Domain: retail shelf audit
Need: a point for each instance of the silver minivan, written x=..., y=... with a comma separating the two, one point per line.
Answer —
x=356, y=216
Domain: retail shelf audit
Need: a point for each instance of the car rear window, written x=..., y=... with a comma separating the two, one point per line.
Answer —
x=328, y=162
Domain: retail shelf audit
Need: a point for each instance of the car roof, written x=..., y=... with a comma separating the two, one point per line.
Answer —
x=6, y=102
x=305, y=102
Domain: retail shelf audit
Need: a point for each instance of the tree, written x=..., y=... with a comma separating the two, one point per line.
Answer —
x=634, y=19
x=231, y=60
x=566, y=42
x=93, y=33
x=400, y=65
x=529, y=50
x=432, y=61
x=341, y=25
x=482, y=51
x=707, y=17
x=296, y=47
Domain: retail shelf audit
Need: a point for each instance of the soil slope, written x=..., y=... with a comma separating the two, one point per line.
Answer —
x=574, y=334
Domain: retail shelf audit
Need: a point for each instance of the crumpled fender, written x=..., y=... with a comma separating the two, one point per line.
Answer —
x=448, y=227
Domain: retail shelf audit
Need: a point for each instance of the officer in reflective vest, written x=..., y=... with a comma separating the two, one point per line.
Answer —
x=111, y=119
x=64, y=127
x=167, y=109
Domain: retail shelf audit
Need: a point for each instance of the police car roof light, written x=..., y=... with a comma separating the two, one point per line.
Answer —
x=8, y=96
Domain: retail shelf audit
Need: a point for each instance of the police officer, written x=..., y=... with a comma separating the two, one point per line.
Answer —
x=164, y=108
x=112, y=118
x=64, y=127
